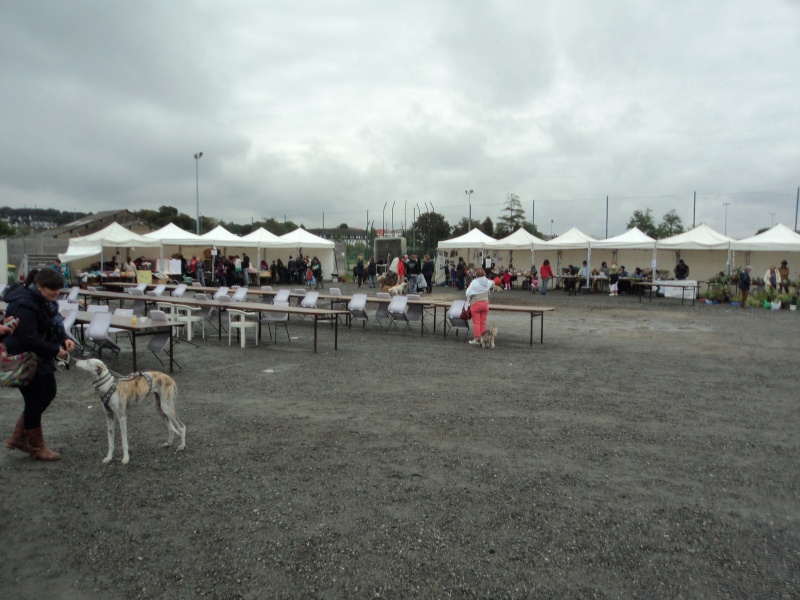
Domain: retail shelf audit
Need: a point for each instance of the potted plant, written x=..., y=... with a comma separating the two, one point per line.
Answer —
x=793, y=302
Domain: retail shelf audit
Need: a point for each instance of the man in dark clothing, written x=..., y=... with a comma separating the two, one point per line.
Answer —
x=428, y=269
x=412, y=270
x=246, y=269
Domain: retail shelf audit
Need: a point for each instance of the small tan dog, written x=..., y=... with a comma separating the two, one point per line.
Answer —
x=487, y=339
x=117, y=394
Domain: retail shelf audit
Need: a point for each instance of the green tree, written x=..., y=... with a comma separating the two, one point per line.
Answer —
x=644, y=221
x=487, y=226
x=6, y=230
x=427, y=231
x=460, y=228
x=344, y=226
x=511, y=216
x=671, y=224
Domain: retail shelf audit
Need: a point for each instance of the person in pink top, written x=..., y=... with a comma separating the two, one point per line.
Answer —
x=546, y=273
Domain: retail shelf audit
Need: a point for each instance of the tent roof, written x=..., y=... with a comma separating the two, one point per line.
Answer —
x=572, y=239
x=631, y=239
x=264, y=238
x=300, y=238
x=472, y=239
x=520, y=240
x=172, y=234
x=701, y=237
x=778, y=239
x=222, y=237
x=113, y=235
x=78, y=252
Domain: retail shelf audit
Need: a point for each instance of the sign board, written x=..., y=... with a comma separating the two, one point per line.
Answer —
x=670, y=291
x=144, y=276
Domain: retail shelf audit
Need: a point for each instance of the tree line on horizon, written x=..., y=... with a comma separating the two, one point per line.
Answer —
x=425, y=232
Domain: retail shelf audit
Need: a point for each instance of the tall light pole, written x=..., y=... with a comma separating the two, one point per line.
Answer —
x=469, y=199
x=726, y=216
x=551, y=228
x=383, y=227
x=772, y=224
x=197, y=158
x=393, y=202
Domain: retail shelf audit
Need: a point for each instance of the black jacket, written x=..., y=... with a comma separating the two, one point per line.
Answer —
x=40, y=329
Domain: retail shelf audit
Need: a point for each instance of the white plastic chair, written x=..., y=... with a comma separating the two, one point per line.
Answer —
x=97, y=336
x=301, y=292
x=115, y=331
x=222, y=291
x=281, y=296
x=179, y=291
x=238, y=319
x=167, y=308
x=383, y=307
x=240, y=295
x=138, y=301
x=414, y=312
x=158, y=290
x=358, y=308
x=209, y=312
x=139, y=287
x=74, y=292
x=398, y=310
x=159, y=342
x=189, y=315
x=454, y=320
x=276, y=318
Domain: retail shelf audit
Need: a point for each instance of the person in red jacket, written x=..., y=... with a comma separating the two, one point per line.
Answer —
x=546, y=273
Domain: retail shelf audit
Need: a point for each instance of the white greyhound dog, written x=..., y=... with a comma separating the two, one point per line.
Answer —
x=118, y=393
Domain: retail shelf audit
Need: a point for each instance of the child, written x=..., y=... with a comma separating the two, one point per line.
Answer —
x=507, y=280
x=453, y=276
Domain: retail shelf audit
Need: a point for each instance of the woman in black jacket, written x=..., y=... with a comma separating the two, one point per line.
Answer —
x=39, y=330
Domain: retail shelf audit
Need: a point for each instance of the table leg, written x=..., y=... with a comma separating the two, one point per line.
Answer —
x=316, y=320
x=171, y=333
x=336, y=333
x=541, y=333
x=133, y=348
x=531, y=329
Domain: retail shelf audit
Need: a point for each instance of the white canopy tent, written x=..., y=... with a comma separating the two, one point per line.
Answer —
x=471, y=246
x=263, y=239
x=767, y=248
x=521, y=240
x=112, y=236
x=634, y=247
x=705, y=250
x=574, y=241
x=301, y=241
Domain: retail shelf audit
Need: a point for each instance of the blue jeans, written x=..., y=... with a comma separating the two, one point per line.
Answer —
x=544, y=284
x=373, y=281
x=201, y=277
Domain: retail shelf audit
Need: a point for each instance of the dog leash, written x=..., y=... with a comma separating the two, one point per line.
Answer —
x=116, y=379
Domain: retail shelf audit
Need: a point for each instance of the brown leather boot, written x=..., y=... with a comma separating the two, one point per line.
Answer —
x=39, y=450
x=18, y=441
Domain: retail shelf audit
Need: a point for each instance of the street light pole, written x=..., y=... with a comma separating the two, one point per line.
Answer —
x=726, y=216
x=197, y=158
x=383, y=226
x=469, y=199
x=393, y=202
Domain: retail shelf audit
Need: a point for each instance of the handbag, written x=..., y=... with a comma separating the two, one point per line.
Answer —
x=17, y=370
x=466, y=313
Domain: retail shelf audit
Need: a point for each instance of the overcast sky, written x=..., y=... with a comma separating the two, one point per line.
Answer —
x=309, y=107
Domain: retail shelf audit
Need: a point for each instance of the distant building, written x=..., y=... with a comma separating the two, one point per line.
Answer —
x=350, y=235
x=99, y=220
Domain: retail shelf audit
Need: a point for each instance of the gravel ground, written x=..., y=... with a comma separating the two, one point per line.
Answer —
x=644, y=451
